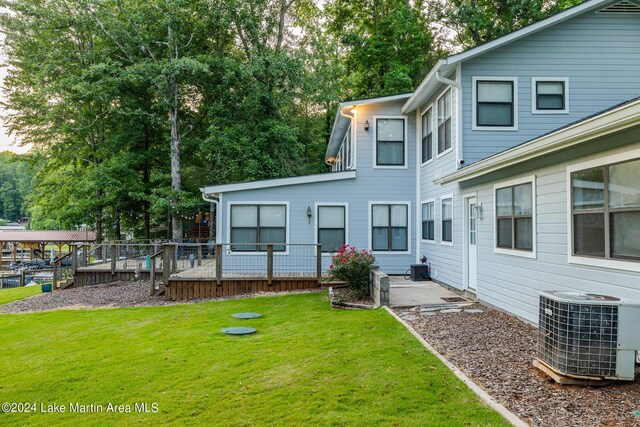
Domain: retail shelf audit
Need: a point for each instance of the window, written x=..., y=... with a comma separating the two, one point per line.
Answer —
x=331, y=227
x=514, y=217
x=606, y=211
x=428, y=221
x=495, y=103
x=444, y=122
x=390, y=142
x=251, y=224
x=447, y=220
x=550, y=96
x=427, y=135
x=389, y=230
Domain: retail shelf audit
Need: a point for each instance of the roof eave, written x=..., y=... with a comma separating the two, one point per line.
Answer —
x=279, y=182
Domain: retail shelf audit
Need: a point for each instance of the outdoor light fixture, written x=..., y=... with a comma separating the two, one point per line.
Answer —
x=366, y=126
x=331, y=160
x=479, y=210
x=309, y=214
x=353, y=110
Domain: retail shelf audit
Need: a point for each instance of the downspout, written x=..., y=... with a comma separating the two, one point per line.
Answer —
x=458, y=86
x=215, y=202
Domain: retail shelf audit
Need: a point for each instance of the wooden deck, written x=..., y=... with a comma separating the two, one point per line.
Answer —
x=189, y=289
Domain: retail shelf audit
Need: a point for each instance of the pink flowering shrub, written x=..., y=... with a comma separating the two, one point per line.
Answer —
x=353, y=267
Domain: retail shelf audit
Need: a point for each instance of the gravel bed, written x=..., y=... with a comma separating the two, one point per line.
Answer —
x=496, y=350
x=111, y=295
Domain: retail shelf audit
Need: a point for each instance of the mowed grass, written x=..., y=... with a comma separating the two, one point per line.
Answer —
x=14, y=294
x=307, y=365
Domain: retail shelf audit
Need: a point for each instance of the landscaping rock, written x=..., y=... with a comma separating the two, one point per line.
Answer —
x=473, y=310
x=451, y=310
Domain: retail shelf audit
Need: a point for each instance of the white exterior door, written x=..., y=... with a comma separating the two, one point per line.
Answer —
x=472, y=240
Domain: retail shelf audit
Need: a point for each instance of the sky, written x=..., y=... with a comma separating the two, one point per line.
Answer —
x=6, y=141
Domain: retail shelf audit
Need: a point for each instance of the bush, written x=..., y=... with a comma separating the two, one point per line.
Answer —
x=354, y=267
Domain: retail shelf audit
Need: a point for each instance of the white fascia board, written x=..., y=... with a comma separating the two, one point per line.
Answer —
x=529, y=29
x=269, y=183
x=606, y=123
x=376, y=100
x=418, y=97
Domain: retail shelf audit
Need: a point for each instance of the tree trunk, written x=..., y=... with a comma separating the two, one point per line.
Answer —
x=176, y=179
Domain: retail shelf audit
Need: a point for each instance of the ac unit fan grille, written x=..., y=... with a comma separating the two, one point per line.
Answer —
x=578, y=339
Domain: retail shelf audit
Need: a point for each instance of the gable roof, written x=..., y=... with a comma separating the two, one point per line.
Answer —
x=343, y=119
x=613, y=119
x=446, y=66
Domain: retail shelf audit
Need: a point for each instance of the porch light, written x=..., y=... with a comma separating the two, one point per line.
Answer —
x=309, y=214
x=331, y=160
x=366, y=126
x=354, y=110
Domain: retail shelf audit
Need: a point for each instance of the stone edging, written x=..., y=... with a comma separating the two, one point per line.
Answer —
x=347, y=305
x=483, y=395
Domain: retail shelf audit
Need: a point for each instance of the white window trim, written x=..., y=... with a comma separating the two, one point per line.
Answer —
x=287, y=225
x=591, y=261
x=444, y=197
x=433, y=134
x=474, y=105
x=370, y=226
x=373, y=126
x=514, y=252
x=316, y=222
x=534, y=109
x=432, y=242
x=435, y=125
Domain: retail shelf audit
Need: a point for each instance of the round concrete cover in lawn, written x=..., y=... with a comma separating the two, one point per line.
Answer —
x=238, y=330
x=246, y=315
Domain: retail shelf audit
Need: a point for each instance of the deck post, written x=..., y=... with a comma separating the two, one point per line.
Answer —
x=174, y=258
x=218, y=254
x=166, y=264
x=152, y=274
x=270, y=264
x=199, y=255
x=74, y=258
x=319, y=261
x=114, y=259
x=23, y=278
x=55, y=276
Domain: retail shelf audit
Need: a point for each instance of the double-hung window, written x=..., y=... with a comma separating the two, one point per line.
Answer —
x=427, y=135
x=514, y=217
x=253, y=227
x=389, y=231
x=447, y=219
x=606, y=211
x=495, y=106
x=550, y=95
x=444, y=122
x=331, y=227
x=390, y=142
x=428, y=221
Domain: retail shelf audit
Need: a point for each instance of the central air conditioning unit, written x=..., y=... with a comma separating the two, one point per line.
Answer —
x=588, y=336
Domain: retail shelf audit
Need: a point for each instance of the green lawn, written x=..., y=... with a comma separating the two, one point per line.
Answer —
x=14, y=294
x=307, y=365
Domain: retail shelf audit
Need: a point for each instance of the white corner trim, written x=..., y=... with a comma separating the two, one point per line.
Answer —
x=287, y=213
x=373, y=127
x=614, y=264
x=534, y=220
x=474, y=104
x=370, y=227
x=269, y=183
x=453, y=215
x=418, y=176
x=534, y=94
x=483, y=395
x=316, y=205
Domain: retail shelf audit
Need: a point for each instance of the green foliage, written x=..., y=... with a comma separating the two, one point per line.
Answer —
x=308, y=365
x=16, y=176
x=354, y=267
x=479, y=21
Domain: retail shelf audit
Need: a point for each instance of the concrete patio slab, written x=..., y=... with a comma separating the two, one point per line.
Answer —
x=405, y=293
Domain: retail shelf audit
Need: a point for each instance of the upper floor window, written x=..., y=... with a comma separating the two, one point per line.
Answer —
x=254, y=224
x=550, y=95
x=428, y=222
x=444, y=122
x=495, y=103
x=606, y=211
x=514, y=217
x=447, y=220
x=390, y=142
x=427, y=135
x=331, y=227
x=389, y=227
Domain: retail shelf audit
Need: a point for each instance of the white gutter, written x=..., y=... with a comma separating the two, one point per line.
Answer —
x=422, y=87
x=616, y=120
x=458, y=86
x=347, y=116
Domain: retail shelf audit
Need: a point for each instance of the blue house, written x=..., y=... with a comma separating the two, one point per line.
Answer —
x=514, y=167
